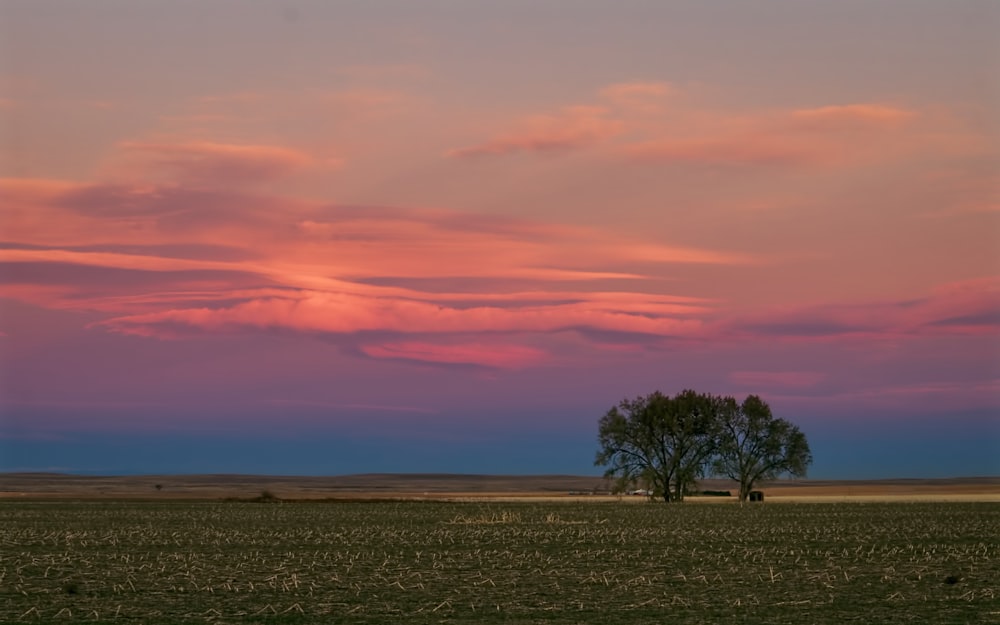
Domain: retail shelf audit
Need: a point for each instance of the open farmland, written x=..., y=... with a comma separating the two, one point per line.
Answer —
x=446, y=486
x=545, y=562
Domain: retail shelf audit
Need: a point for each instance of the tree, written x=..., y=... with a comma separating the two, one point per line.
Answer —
x=694, y=424
x=753, y=445
x=665, y=442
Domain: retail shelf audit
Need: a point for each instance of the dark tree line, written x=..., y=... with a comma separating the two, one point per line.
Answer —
x=667, y=443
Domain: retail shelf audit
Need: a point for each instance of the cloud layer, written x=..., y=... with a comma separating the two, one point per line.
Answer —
x=394, y=283
x=641, y=233
x=149, y=259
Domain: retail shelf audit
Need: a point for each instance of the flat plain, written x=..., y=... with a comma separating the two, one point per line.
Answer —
x=429, y=559
x=452, y=487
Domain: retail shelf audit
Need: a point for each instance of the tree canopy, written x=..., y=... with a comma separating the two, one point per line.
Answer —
x=666, y=443
x=754, y=445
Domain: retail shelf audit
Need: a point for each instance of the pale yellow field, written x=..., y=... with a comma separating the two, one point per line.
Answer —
x=467, y=488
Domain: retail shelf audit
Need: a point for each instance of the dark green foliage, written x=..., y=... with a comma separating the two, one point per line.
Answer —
x=659, y=442
x=755, y=446
x=266, y=496
x=664, y=443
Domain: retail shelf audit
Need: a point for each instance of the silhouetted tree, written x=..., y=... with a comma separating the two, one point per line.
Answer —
x=665, y=442
x=753, y=445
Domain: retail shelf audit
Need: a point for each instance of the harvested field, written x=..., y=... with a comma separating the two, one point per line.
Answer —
x=543, y=562
x=461, y=487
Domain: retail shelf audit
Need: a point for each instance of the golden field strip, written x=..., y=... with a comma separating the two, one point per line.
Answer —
x=465, y=488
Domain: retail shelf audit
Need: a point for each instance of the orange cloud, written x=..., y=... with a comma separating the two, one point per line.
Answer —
x=573, y=128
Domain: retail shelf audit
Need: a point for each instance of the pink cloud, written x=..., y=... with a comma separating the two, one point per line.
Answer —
x=573, y=128
x=727, y=151
x=46, y=296
x=970, y=307
x=777, y=379
x=964, y=191
x=56, y=213
x=310, y=264
x=19, y=190
x=829, y=136
x=346, y=313
x=199, y=162
x=835, y=136
x=147, y=259
x=643, y=97
x=109, y=259
x=32, y=215
x=500, y=356
x=921, y=396
x=864, y=115
x=398, y=312
x=965, y=307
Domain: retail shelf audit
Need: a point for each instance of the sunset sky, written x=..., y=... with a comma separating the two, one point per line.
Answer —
x=375, y=236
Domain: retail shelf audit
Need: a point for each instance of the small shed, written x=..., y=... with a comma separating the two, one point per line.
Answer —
x=756, y=495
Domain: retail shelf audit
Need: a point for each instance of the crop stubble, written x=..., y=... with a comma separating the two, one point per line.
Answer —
x=374, y=562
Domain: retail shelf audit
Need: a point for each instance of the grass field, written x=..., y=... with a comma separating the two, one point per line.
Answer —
x=543, y=562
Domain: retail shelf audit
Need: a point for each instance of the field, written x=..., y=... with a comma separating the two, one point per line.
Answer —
x=453, y=487
x=342, y=561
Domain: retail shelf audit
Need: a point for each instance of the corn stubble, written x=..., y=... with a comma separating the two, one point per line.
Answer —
x=417, y=562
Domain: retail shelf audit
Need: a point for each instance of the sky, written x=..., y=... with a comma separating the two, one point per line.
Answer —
x=388, y=236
